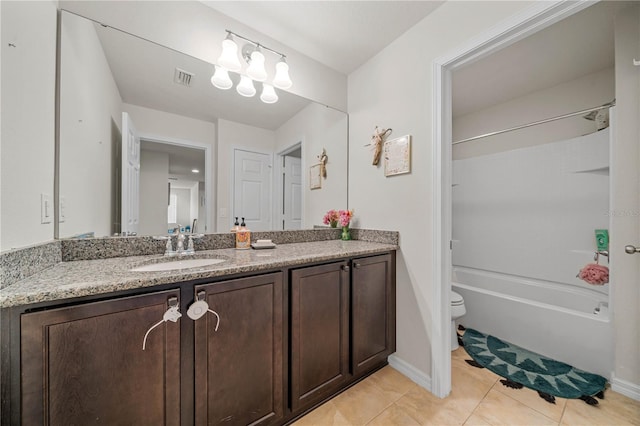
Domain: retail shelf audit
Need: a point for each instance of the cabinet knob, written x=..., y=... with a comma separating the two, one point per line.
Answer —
x=346, y=268
x=356, y=265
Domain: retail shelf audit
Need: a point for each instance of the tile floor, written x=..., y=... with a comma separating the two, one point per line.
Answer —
x=478, y=398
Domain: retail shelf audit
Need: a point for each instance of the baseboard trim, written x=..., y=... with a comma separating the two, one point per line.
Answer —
x=632, y=390
x=416, y=376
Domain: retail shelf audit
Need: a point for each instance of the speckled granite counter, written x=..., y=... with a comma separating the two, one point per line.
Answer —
x=80, y=278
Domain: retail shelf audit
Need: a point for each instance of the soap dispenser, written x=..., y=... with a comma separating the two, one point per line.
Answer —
x=243, y=237
x=235, y=226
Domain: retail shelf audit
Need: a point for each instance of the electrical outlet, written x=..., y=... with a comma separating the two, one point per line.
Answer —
x=46, y=208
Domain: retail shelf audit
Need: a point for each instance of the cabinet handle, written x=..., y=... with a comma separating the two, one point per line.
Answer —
x=171, y=314
x=346, y=268
x=356, y=265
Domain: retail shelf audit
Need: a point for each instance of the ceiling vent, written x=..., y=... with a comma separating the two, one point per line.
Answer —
x=183, y=77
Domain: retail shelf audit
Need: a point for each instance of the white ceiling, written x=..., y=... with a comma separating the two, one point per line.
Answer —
x=340, y=34
x=577, y=46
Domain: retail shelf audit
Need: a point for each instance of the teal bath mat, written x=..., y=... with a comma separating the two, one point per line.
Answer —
x=521, y=367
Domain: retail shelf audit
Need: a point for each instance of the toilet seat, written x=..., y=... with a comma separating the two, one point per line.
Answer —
x=456, y=299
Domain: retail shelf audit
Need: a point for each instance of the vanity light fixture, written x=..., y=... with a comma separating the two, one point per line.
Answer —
x=229, y=57
x=246, y=87
x=221, y=79
x=268, y=95
x=252, y=54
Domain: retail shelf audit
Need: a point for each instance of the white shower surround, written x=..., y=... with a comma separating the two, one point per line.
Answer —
x=523, y=224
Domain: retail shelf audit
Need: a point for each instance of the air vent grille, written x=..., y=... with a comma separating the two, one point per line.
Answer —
x=183, y=78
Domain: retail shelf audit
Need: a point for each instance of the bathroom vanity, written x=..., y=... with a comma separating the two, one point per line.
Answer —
x=297, y=325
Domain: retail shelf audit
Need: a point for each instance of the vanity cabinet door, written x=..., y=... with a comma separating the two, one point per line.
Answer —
x=319, y=332
x=373, y=312
x=84, y=364
x=239, y=367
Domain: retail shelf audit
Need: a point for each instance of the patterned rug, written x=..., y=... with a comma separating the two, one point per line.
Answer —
x=521, y=367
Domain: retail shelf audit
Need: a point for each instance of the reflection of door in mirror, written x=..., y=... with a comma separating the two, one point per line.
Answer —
x=292, y=194
x=130, y=177
x=252, y=189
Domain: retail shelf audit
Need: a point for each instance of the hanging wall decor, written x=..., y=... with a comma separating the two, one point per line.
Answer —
x=397, y=156
x=315, y=177
x=377, y=140
x=322, y=160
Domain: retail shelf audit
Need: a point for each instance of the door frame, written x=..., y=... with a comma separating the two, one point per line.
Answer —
x=277, y=179
x=523, y=24
x=209, y=179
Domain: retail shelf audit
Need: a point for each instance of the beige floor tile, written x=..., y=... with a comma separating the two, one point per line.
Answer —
x=393, y=383
x=452, y=410
x=393, y=416
x=531, y=399
x=325, y=415
x=362, y=403
x=615, y=409
x=461, y=371
x=476, y=420
x=499, y=409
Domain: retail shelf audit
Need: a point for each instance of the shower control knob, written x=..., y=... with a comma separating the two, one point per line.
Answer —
x=631, y=249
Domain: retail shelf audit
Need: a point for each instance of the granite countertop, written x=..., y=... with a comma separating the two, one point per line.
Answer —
x=67, y=280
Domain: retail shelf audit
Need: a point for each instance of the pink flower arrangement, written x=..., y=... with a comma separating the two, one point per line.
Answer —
x=345, y=217
x=333, y=217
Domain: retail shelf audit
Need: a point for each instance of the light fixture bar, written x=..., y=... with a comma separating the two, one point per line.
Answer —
x=262, y=46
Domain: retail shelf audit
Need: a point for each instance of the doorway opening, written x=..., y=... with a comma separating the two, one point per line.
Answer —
x=289, y=205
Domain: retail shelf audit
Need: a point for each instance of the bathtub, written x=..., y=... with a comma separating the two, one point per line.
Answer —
x=554, y=320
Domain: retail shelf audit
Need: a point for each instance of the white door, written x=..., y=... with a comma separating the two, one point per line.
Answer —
x=252, y=189
x=292, y=193
x=130, y=176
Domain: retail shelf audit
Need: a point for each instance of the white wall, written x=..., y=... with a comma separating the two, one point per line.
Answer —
x=394, y=89
x=319, y=127
x=582, y=93
x=235, y=135
x=28, y=120
x=625, y=193
x=198, y=30
x=154, y=177
x=183, y=210
x=89, y=131
x=160, y=124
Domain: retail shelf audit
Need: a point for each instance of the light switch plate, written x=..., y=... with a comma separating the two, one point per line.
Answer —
x=46, y=208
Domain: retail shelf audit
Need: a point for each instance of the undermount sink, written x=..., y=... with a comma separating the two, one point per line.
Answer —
x=176, y=264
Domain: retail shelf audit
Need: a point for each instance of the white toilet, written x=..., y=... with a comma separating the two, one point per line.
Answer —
x=457, y=310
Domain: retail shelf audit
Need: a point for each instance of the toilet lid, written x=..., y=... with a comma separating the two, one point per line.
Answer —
x=456, y=299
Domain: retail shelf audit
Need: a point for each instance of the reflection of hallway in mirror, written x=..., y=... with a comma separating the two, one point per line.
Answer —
x=166, y=174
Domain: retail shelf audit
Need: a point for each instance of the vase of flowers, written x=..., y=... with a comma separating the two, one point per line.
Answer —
x=342, y=217
x=345, y=220
x=331, y=218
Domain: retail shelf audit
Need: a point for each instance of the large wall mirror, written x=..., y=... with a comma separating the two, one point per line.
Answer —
x=193, y=155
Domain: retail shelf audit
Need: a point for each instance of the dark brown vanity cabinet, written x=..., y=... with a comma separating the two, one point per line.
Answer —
x=342, y=325
x=286, y=341
x=84, y=364
x=319, y=332
x=239, y=368
x=373, y=317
